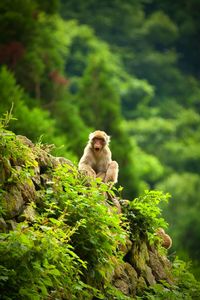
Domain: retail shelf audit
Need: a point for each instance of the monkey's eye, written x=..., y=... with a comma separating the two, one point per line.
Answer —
x=100, y=140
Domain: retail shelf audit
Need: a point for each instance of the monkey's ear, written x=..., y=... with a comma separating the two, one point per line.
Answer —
x=91, y=136
x=107, y=139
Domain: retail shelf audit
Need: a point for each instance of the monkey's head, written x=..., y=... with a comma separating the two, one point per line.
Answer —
x=98, y=139
x=160, y=231
x=166, y=241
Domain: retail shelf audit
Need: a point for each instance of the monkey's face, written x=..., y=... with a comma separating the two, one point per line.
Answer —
x=98, y=144
x=99, y=139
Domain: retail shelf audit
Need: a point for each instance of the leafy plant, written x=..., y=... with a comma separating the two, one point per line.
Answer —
x=185, y=286
x=144, y=214
x=97, y=238
x=38, y=261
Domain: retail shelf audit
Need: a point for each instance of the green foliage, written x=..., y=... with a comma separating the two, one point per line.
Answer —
x=100, y=232
x=68, y=118
x=12, y=150
x=160, y=29
x=184, y=220
x=136, y=95
x=41, y=70
x=90, y=71
x=97, y=82
x=47, y=132
x=71, y=246
x=148, y=167
x=144, y=214
x=175, y=142
x=104, y=113
x=38, y=261
x=20, y=16
x=9, y=91
x=186, y=280
x=185, y=286
x=31, y=122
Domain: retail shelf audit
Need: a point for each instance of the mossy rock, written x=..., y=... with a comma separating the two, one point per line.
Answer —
x=139, y=256
x=28, y=190
x=12, y=202
x=125, y=279
x=5, y=169
x=160, y=266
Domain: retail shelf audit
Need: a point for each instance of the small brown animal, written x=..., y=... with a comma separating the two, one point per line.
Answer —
x=166, y=240
x=96, y=160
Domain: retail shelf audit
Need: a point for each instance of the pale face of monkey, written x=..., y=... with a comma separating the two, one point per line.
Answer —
x=98, y=144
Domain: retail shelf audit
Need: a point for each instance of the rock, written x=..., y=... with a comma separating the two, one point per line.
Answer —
x=28, y=190
x=63, y=160
x=12, y=202
x=122, y=286
x=161, y=267
x=148, y=276
x=125, y=248
x=139, y=259
x=3, y=225
x=24, y=178
x=46, y=179
x=139, y=256
x=2, y=173
x=125, y=279
x=141, y=286
x=5, y=169
x=11, y=224
x=36, y=178
x=29, y=213
x=133, y=277
x=25, y=140
x=44, y=160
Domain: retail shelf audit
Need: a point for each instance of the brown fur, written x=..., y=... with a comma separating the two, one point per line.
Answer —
x=96, y=160
x=166, y=240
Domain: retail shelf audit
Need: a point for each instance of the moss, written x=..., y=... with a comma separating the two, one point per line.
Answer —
x=5, y=169
x=12, y=202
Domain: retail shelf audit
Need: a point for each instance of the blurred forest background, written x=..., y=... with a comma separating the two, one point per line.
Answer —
x=131, y=68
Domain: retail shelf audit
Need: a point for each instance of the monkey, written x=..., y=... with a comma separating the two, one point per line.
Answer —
x=96, y=161
x=166, y=240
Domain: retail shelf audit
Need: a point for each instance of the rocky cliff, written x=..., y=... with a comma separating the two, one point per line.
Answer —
x=62, y=239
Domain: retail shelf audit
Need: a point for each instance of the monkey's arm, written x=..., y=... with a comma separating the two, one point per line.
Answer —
x=112, y=172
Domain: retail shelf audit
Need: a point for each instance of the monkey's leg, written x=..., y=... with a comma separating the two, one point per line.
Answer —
x=112, y=172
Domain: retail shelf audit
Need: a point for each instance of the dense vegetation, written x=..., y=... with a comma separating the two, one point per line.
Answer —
x=130, y=68
x=60, y=238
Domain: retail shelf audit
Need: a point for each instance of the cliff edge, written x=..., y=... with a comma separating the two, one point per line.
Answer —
x=62, y=239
